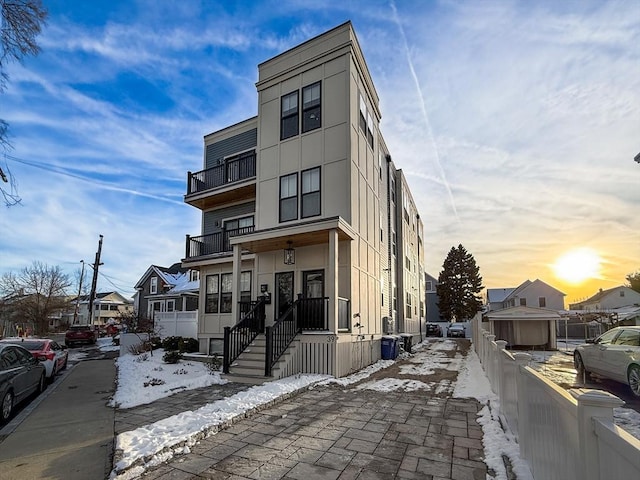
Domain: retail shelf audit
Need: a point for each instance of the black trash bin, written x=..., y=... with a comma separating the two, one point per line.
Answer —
x=407, y=342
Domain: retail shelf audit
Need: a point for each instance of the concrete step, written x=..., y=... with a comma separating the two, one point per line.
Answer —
x=247, y=379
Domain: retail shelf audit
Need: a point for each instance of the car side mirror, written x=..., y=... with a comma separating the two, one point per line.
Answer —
x=590, y=340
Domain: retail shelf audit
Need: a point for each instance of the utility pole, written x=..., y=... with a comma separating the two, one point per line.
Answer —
x=92, y=295
x=75, y=313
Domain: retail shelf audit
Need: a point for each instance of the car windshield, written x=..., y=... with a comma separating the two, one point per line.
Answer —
x=30, y=345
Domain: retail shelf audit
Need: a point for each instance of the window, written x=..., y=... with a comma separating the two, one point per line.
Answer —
x=542, y=302
x=212, y=294
x=380, y=165
x=154, y=285
x=393, y=191
x=429, y=285
x=370, y=129
x=393, y=243
x=171, y=305
x=226, y=280
x=194, y=275
x=622, y=293
x=363, y=115
x=311, y=107
x=289, y=197
x=113, y=307
x=289, y=116
x=245, y=287
x=523, y=302
x=311, y=192
x=408, y=305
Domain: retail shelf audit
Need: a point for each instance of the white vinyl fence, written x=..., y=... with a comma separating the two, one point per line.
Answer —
x=180, y=324
x=564, y=435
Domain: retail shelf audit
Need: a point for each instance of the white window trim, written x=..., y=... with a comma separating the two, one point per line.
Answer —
x=153, y=287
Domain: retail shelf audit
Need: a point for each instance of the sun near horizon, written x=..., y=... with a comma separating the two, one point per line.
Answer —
x=580, y=270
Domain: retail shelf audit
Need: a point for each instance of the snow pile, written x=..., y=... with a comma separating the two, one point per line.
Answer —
x=145, y=378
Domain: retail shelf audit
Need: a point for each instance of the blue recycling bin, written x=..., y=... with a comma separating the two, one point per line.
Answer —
x=389, y=348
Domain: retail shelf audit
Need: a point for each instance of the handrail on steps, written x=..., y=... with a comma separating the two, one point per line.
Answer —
x=279, y=336
x=240, y=336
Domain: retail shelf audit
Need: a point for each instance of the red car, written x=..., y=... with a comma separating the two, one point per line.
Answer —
x=79, y=334
x=50, y=354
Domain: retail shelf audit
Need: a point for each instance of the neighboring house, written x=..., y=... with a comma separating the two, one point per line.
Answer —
x=526, y=315
x=107, y=307
x=431, y=297
x=304, y=209
x=162, y=289
x=608, y=299
x=528, y=294
x=169, y=296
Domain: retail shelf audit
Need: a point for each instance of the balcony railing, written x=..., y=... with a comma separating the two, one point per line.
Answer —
x=234, y=170
x=213, y=242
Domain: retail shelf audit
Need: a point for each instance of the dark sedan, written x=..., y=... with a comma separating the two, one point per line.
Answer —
x=20, y=376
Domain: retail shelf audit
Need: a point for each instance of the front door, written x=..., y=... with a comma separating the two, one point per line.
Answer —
x=284, y=292
x=312, y=312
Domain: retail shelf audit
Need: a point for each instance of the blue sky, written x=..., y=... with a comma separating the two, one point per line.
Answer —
x=515, y=122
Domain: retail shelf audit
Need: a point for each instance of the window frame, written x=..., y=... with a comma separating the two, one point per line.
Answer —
x=153, y=286
x=311, y=193
x=226, y=297
x=294, y=196
x=245, y=295
x=314, y=105
x=211, y=296
x=290, y=114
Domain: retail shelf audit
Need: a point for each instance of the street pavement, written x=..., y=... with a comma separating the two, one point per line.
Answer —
x=69, y=434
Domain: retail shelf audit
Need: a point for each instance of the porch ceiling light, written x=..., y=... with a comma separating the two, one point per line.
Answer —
x=289, y=254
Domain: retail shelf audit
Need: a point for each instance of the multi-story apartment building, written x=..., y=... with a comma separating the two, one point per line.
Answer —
x=308, y=230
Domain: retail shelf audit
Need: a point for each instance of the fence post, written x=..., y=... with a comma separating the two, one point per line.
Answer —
x=592, y=404
x=522, y=360
x=491, y=362
x=501, y=344
x=226, y=354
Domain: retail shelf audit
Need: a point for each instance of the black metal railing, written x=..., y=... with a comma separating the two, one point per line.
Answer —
x=313, y=313
x=240, y=336
x=279, y=336
x=211, y=243
x=234, y=170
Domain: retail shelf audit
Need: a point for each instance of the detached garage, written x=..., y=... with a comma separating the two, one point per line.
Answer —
x=525, y=326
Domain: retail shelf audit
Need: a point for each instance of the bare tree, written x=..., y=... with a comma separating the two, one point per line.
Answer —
x=20, y=23
x=34, y=294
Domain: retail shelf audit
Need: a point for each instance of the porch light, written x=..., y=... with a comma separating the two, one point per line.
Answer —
x=289, y=254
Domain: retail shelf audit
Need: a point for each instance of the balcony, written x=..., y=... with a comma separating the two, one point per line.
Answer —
x=223, y=183
x=212, y=243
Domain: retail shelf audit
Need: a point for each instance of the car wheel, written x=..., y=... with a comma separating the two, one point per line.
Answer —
x=578, y=364
x=633, y=376
x=6, y=407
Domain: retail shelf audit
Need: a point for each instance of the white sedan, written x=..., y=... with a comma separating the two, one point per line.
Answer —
x=615, y=354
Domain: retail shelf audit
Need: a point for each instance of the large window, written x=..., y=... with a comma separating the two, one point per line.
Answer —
x=153, y=289
x=245, y=287
x=212, y=294
x=289, y=197
x=226, y=301
x=311, y=107
x=311, y=192
x=289, y=116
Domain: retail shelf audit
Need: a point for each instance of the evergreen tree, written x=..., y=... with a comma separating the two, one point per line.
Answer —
x=459, y=285
x=634, y=281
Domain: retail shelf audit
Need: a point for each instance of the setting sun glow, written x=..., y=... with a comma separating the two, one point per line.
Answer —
x=578, y=265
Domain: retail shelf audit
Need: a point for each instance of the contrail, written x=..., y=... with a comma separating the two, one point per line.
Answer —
x=396, y=19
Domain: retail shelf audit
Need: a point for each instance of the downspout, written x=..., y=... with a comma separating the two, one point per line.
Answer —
x=419, y=279
x=389, y=236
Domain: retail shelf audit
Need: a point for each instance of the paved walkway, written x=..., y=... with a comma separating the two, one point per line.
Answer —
x=335, y=432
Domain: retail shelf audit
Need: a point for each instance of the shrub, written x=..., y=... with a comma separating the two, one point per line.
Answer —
x=214, y=364
x=188, y=345
x=172, y=356
x=156, y=342
x=171, y=343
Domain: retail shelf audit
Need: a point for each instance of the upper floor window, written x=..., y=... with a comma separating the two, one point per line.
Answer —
x=523, y=302
x=194, y=275
x=289, y=197
x=311, y=192
x=429, y=285
x=370, y=129
x=212, y=294
x=289, y=116
x=226, y=280
x=363, y=115
x=311, y=107
x=153, y=288
x=542, y=302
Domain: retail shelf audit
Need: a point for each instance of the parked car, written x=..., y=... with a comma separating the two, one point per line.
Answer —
x=20, y=376
x=456, y=330
x=78, y=334
x=433, y=330
x=615, y=354
x=51, y=354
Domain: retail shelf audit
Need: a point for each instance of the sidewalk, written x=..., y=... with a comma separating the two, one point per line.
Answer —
x=69, y=435
x=346, y=432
